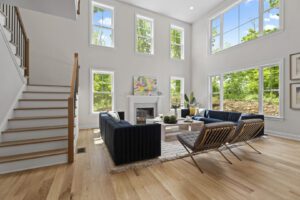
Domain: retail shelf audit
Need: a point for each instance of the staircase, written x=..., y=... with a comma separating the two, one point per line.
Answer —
x=42, y=128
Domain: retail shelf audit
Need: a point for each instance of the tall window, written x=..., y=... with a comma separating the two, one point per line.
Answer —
x=177, y=92
x=102, y=91
x=144, y=35
x=245, y=21
x=255, y=90
x=215, y=91
x=102, y=27
x=177, y=42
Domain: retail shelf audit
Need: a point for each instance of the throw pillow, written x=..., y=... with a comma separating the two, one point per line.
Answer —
x=114, y=115
x=201, y=112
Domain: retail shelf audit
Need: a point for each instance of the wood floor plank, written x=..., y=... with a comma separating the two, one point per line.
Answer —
x=275, y=174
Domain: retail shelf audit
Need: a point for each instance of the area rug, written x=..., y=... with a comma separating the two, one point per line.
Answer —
x=170, y=150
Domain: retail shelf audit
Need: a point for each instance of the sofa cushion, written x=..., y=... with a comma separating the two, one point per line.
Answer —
x=234, y=116
x=114, y=115
x=123, y=123
x=210, y=120
x=223, y=116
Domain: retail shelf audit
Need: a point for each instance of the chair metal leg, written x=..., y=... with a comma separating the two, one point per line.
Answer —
x=193, y=158
x=224, y=157
x=253, y=148
x=233, y=152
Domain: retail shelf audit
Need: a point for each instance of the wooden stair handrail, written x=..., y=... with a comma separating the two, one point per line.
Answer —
x=78, y=7
x=71, y=107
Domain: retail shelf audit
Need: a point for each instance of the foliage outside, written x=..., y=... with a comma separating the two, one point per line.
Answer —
x=176, y=43
x=144, y=36
x=176, y=96
x=102, y=92
x=241, y=91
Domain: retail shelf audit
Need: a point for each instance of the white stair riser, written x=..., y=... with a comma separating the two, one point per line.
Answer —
x=13, y=48
x=31, y=148
x=38, y=104
x=37, y=123
x=27, y=135
x=41, y=113
x=47, y=89
x=33, y=163
x=45, y=96
x=2, y=19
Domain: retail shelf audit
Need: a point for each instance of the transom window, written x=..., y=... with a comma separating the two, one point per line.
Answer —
x=245, y=21
x=177, y=92
x=177, y=42
x=256, y=90
x=144, y=35
x=102, y=91
x=102, y=25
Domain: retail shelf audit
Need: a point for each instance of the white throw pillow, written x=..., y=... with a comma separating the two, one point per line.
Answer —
x=114, y=115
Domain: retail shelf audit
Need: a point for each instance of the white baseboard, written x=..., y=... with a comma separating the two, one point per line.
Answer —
x=283, y=135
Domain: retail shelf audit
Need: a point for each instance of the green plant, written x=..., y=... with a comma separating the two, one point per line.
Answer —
x=189, y=100
x=170, y=119
x=167, y=119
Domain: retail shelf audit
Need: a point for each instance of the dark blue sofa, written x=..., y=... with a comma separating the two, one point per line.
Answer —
x=212, y=116
x=128, y=143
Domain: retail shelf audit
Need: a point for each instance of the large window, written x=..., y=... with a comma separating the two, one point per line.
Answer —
x=102, y=25
x=144, y=35
x=245, y=21
x=102, y=91
x=177, y=92
x=255, y=90
x=177, y=42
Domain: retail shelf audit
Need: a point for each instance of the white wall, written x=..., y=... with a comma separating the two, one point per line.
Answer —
x=273, y=47
x=11, y=82
x=54, y=40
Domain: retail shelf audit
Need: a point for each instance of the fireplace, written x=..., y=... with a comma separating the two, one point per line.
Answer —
x=143, y=107
x=142, y=114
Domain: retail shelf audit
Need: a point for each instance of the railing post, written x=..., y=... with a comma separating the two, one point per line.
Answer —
x=26, y=57
x=71, y=130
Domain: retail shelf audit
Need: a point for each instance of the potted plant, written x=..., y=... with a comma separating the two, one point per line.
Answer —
x=188, y=101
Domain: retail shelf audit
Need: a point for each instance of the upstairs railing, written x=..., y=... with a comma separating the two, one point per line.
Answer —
x=19, y=37
x=72, y=107
x=78, y=7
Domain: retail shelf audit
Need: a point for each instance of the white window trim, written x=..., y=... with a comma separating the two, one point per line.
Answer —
x=280, y=63
x=261, y=18
x=95, y=3
x=182, y=89
x=182, y=45
x=139, y=16
x=92, y=72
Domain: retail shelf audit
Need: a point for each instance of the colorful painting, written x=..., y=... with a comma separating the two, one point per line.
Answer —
x=144, y=86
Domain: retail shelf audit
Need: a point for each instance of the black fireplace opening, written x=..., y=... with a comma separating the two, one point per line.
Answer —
x=142, y=114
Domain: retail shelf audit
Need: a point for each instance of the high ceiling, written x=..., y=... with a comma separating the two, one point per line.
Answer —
x=178, y=9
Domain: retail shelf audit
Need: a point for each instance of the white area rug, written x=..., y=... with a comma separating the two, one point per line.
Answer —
x=169, y=151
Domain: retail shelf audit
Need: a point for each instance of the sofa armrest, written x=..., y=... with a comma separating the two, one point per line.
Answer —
x=134, y=143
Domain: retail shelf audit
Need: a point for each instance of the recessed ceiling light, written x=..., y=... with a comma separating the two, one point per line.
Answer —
x=192, y=7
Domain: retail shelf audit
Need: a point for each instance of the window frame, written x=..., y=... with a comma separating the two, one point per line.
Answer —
x=137, y=17
x=182, y=89
x=260, y=25
x=94, y=3
x=182, y=45
x=98, y=71
x=260, y=67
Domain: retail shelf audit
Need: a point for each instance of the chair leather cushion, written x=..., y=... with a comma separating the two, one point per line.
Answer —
x=188, y=139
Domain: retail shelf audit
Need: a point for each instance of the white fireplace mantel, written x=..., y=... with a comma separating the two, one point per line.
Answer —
x=134, y=100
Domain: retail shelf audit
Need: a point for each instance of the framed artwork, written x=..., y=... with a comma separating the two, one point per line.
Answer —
x=295, y=66
x=295, y=96
x=145, y=86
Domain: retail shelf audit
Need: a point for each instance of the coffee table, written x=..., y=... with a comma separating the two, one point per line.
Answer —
x=181, y=127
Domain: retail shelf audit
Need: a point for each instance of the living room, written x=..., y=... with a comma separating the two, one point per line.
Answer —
x=146, y=100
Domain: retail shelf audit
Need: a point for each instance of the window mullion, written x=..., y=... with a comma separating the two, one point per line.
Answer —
x=261, y=91
x=221, y=93
x=221, y=31
x=261, y=17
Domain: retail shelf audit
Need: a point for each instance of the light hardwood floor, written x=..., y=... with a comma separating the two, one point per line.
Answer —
x=273, y=175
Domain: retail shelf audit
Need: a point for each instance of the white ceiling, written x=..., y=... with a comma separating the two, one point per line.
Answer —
x=178, y=9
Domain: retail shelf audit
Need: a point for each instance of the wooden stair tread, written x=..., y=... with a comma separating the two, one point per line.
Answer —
x=37, y=118
x=33, y=141
x=34, y=129
x=34, y=155
x=42, y=108
x=43, y=99
x=46, y=92
x=40, y=85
